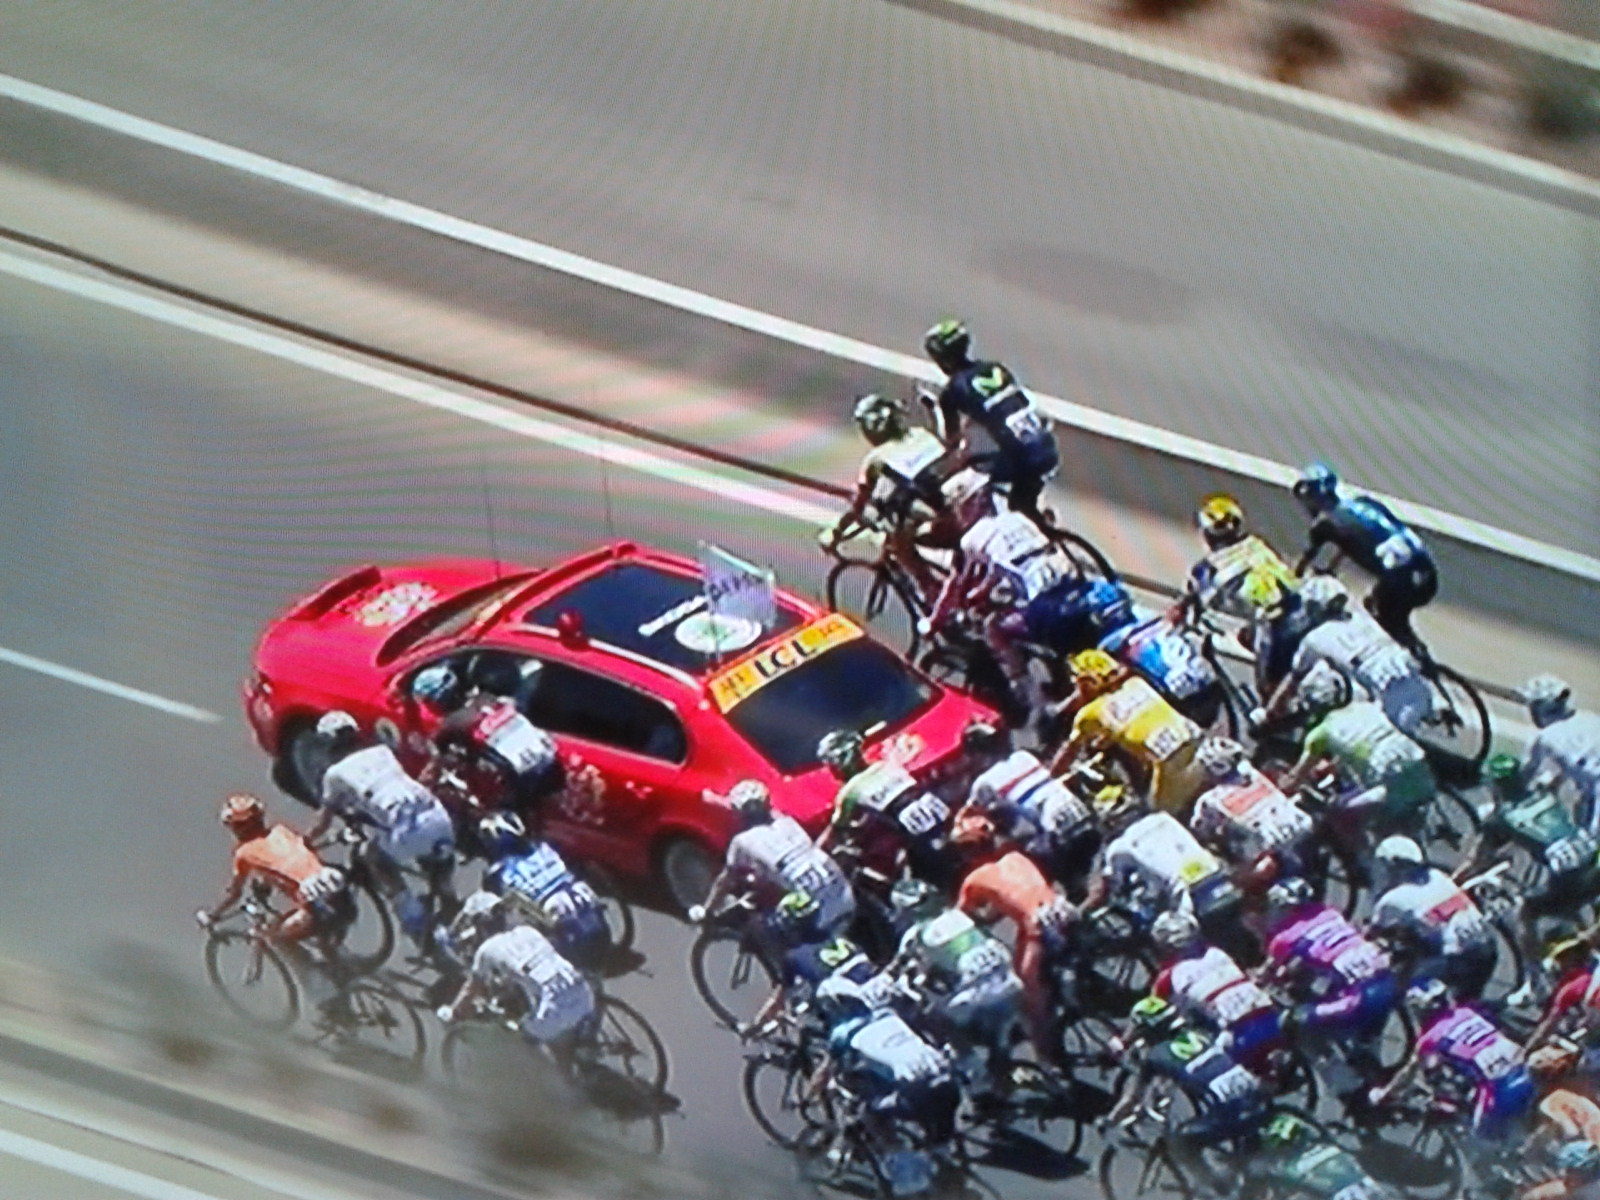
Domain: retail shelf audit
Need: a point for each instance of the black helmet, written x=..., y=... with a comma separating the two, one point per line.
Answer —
x=948, y=343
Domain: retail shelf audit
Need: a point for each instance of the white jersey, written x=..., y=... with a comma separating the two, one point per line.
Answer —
x=1435, y=910
x=1019, y=783
x=1570, y=748
x=1250, y=815
x=522, y=745
x=952, y=945
x=780, y=854
x=1162, y=856
x=1011, y=544
x=895, y=465
x=522, y=957
x=1211, y=989
x=372, y=785
x=1359, y=649
x=890, y=1048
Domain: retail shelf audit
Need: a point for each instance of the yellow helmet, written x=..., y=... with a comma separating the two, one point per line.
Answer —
x=1264, y=588
x=1096, y=669
x=1219, y=511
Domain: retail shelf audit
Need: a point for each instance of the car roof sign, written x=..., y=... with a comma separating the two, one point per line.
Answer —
x=747, y=676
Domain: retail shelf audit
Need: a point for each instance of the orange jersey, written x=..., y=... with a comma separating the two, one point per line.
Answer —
x=1011, y=885
x=281, y=857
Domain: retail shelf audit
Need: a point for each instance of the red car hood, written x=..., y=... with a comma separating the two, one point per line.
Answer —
x=335, y=634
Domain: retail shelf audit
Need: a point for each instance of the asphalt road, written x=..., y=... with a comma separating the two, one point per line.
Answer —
x=864, y=167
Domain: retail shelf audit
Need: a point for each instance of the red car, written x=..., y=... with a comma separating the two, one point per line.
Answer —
x=615, y=654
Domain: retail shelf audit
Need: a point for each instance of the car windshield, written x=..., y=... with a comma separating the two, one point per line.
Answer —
x=453, y=616
x=860, y=685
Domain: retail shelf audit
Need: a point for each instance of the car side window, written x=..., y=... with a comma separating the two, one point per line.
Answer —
x=568, y=700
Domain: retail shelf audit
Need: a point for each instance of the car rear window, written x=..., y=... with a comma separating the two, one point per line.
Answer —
x=859, y=685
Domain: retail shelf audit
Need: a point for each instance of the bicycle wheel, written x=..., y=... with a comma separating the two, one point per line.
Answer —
x=1457, y=733
x=1338, y=880
x=731, y=978
x=375, y=1027
x=1449, y=826
x=774, y=1091
x=369, y=940
x=842, y=1161
x=1508, y=971
x=483, y=1053
x=1139, y=1172
x=1046, y=1108
x=252, y=979
x=1417, y=1154
x=622, y=1054
x=874, y=595
x=1085, y=555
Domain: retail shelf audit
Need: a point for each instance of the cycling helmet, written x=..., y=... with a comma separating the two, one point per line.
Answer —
x=973, y=830
x=1174, y=930
x=1503, y=773
x=1427, y=996
x=1096, y=670
x=1324, y=596
x=840, y=751
x=336, y=726
x=752, y=801
x=501, y=833
x=1318, y=485
x=838, y=952
x=1109, y=605
x=1548, y=697
x=1289, y=894
x=982, y=738
x=436, y=687
x=242, y=810
x=1398, y=850
x=948, y=343
x=1323, y=689
x=1221, y=520
x=1285, y=1131
x=1580, y=1158
x=1153, y=1017
x=1219, y=757
x=881, y=418
x=797, y=912
x=481, y=914
x=1264, y=589
x=913, y=899
x=841, y=998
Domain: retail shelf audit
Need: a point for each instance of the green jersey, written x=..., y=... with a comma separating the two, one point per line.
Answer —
x=951, y=947
x=1542, y=826
x=1368, y=750
x=1326, y=1171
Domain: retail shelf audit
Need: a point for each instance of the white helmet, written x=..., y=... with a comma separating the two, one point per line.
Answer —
x=751, y=800
x=1546, y=694
x=1175, y=930
x=1219, y=757
x=1324, y=596
x=479, y=913
x=1323, y=689
x=1398, y=850
x=336, y=725
x=964, y=487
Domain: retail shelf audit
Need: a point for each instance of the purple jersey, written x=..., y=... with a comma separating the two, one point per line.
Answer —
x=1468, y=1041
x=1323, y=940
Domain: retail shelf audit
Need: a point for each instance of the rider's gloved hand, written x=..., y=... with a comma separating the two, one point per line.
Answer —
x=446, y=1013
x=1258, y=717
x=204, y=919
x=924, y=626
x=696, y=913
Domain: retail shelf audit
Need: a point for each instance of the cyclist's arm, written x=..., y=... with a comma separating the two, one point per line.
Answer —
x=1402, y=1077
x=1279, y=700
x=319, y=827
x=230, y=896
x=1133, y=1093
x=472, y=990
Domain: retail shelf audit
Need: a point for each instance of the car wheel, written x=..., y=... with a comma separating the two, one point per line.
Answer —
x=685, y=869
x=301, y=764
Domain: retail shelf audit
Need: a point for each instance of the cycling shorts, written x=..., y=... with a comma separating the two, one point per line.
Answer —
x=1563, y=894
x=1060, y=618
x=986, y=1007
x=583, y=938
x=1014, y=460
x=1251, y=1038
x=334, y=914
x=930, y=1103
x=428, y=835
x=1503, y=1106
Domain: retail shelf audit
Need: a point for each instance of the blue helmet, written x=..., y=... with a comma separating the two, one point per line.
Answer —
x=436, y=686
x=1318, y=481
x=501, y=833
x=1109, y=605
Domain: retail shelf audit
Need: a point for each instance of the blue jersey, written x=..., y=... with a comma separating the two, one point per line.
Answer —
x=1163, y=655
x=1372, y=537
x=538, y=875
x=989, y=396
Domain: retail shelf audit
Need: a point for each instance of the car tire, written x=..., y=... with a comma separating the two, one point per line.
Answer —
x=684, y=870
x=300, y=764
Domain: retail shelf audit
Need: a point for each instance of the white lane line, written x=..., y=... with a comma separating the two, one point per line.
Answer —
x=1065, y=412
x=83, y=679
x=70, y=1162
x=419, y=391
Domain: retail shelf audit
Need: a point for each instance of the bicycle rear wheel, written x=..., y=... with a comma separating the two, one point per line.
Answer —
x=1085, y=555
x=369, y=940
x=252, y=979
x=1141, y=1172
x=876, y=597
x=731, y=978
x=376, y=1028
x=1449, y=827
x=774, y=1091
x=622, y=1053
x=1457, y=733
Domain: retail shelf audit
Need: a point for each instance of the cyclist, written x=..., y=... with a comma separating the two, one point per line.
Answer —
x=775, y=855
x=1211, y=991
x=1357, y=648
x=881, y=815
x=965, y=973
x=1152, y=864
x=411, y=831
x=1159, y=647
x=1383, y=777
x=1341, y=985
x=516, y=965
x=1366, y=532
x=1297, y=1160
x=1576, y=1174
x=537, y=885
x=1567, y=746
x=896, y=1075
x=1123, y=711
x=1163, y=1051
x=1243, y=814
x=1574, y=1007
x=1459, y=1039
x=319, y=899
x=1217, y=582
x=1007, y=885
x=510, y=762
x=899, y=488
x=1533, y=817
x=1441, y=929
x=1027, y=804
x=987, y=395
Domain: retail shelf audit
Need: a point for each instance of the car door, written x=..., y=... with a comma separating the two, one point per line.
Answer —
x=638, y=744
